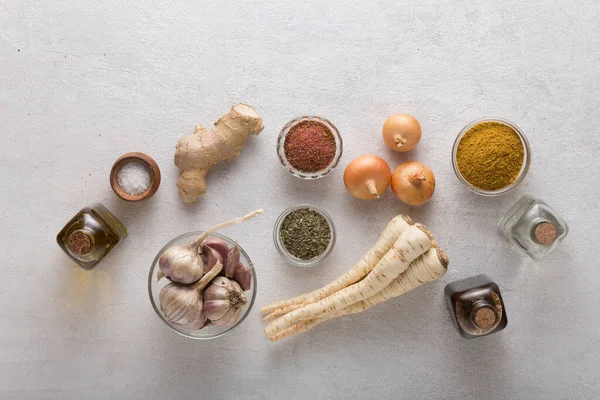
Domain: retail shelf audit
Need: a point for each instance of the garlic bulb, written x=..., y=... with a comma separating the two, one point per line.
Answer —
x=182, y=304
x=181, y=264
x=223, y=302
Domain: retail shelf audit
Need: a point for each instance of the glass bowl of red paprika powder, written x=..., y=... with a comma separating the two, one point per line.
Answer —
x=309, y=147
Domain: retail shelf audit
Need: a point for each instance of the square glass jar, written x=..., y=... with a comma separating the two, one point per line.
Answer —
x=533, y=227
x=90, y=235
x=476, y=306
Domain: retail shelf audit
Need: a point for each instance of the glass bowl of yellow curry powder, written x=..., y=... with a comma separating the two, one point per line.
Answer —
x=491, y=156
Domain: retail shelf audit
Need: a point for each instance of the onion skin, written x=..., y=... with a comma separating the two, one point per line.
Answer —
x=413, y=183
x=367, y=177
x=401, y=132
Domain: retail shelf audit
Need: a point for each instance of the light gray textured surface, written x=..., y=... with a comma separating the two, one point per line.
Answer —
x=83, y=82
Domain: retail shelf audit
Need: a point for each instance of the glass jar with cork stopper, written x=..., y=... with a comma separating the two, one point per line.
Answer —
x=90, y=235
x=476, y=306
x=533, y=227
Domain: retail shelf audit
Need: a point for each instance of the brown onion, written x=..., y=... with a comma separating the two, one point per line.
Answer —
x=401, y=132
x=367, y=177
x=413, y=183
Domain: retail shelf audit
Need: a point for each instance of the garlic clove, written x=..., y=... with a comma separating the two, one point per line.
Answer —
x=219, y=245
x=181, y=264
x=243, y=276
x=212, y=258
x=233, y=258
x=216, y=309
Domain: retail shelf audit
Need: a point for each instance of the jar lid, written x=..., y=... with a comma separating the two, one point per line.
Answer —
x=484, y=318
x=79, y=242
x=545, y=233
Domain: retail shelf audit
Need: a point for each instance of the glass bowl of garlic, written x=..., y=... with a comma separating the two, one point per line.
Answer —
x=178, y=305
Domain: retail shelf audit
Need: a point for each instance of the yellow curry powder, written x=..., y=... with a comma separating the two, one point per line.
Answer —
x=490, y=155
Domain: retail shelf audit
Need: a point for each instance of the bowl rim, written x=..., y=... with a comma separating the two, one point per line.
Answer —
x=283, y=251
x=522, y=172
x=309, y=175
x=174, y=327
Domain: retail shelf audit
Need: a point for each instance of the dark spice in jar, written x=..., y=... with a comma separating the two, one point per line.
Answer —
x=305, y=233
x=309, y=146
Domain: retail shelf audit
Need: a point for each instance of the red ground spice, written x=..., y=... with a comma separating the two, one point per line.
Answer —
x=309, y=146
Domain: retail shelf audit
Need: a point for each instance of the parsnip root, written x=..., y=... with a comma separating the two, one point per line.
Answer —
x=405, y=256
x=428, y=267
x=392, y=231
x=413, y=242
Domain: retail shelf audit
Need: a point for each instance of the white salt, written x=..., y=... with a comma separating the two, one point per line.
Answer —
x=134, y=178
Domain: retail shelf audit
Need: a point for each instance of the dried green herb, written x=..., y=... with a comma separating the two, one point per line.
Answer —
x=305, y=233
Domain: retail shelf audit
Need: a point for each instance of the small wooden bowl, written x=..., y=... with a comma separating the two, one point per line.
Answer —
x=152, y=168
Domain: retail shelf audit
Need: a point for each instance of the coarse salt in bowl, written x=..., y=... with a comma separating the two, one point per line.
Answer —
x=134, y=178
x=129, y=171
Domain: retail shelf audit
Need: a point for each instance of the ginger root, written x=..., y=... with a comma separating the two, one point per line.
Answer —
x=196, y=153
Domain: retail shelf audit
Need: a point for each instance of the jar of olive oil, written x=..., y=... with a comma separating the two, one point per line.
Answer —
x=90, y=235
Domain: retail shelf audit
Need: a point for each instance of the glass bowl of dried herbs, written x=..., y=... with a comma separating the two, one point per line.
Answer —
x=309, y=147
x=304, y=235
x=491, y=156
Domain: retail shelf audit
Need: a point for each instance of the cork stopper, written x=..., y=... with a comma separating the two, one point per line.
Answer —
x=484, y=318
x=79, y=242
x=545, y=233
